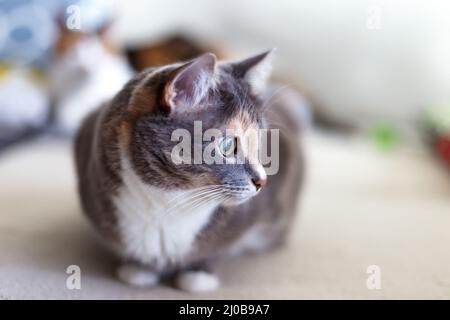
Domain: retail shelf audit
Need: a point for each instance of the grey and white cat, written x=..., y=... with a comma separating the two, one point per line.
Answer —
x=167, y=220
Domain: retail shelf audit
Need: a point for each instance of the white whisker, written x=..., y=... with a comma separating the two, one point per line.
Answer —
x=186, y=202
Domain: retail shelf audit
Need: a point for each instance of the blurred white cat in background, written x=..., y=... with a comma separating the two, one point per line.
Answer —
x=87, y=68
x=86, y=72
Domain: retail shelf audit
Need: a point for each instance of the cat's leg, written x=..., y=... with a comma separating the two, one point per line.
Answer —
x=137, y=275
x=200, y=278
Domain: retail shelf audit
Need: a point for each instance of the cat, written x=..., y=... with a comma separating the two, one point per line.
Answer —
x=86, y=70
x=176, y=221
x=171, y=49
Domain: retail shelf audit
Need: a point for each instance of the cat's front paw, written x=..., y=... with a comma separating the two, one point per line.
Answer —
x=137, y=276
x=197, y=281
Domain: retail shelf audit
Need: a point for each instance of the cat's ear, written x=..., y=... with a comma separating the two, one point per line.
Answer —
x=255, y=70
x=190, y=83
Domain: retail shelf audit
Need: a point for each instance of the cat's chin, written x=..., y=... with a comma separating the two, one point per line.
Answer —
x=239, y=199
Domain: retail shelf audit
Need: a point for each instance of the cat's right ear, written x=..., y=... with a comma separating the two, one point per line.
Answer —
x=189, y=84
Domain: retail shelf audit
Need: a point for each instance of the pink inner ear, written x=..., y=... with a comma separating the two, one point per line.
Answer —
x=191, y=83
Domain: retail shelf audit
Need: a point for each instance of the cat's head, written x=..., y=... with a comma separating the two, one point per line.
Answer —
x=77, y=55
x=194, y=126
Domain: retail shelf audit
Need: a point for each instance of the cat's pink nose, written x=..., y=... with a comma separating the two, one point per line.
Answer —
x=259, y=183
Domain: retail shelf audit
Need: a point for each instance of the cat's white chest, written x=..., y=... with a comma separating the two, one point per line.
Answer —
x=150, y=232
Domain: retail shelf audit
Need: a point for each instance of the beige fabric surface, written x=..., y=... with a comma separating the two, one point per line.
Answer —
x=360, y=207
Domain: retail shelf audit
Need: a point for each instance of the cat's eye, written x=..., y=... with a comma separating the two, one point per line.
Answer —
x=228, y=146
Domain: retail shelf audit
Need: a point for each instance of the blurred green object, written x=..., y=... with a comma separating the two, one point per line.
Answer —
x=438, y=118
x=384, y=135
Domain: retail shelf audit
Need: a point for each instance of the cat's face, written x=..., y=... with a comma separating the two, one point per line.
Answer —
x=77, y=56
x=195, y=127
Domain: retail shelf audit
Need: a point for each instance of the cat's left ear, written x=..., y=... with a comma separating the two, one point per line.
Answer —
x=255, y=70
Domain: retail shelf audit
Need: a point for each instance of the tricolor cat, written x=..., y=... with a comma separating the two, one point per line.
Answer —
x=165, y=219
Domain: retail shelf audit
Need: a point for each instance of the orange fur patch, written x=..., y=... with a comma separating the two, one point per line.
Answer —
x=247, y=133
x=124, y=134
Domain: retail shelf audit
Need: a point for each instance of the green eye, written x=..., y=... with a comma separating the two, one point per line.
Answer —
x=227, y=146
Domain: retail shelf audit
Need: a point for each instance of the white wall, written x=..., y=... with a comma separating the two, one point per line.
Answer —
x=332, y=49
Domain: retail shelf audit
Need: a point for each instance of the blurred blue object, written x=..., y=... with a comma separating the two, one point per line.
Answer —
x=29, y=28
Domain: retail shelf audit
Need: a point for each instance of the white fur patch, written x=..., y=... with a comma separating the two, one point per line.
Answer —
x=149, y=232
x=136, y=276
x=197, y=281
x=255, y=240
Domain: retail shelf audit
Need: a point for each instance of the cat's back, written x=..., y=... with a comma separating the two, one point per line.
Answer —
x=83, y=141
x=95, y=180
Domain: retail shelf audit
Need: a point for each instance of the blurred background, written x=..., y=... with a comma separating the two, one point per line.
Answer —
x=374, y=82
x=366, y=64
x=377, y=66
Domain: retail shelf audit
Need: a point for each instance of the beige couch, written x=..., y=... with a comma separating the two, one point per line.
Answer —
x=360, y=207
